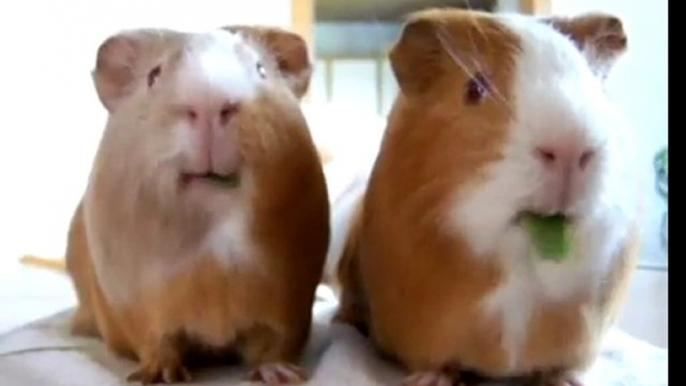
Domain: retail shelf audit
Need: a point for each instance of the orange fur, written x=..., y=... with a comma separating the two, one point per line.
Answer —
x=395, y=227
x=297, y=66
x=416, y=288
x=263, y=312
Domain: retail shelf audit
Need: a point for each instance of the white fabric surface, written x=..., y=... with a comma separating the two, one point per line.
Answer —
x=44, y=353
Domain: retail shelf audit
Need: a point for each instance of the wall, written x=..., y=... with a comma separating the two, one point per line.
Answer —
x=352, y=69
x=50, y=117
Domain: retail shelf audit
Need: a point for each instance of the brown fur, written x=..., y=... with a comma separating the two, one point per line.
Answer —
x=399, y=269
x=419, y=125
x=294, y=64
x=262, y=312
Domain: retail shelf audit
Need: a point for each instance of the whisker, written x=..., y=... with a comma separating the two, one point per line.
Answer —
x=443, y=38
x=478, y=63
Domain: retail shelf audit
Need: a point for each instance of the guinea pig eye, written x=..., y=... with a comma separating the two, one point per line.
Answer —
x=477, y=89
x=153, y=74
x=260, y=70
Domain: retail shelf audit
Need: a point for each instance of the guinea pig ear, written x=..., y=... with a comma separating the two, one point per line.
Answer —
x=121, y=61
x=415, y=57
x=599, y=36
x=289, y=51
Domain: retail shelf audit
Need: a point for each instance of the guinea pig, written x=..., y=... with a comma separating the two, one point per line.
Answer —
x=204, y=224
x=499, y=117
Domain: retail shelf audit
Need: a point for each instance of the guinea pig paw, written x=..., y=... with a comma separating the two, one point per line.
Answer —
x=169, y=374
x=569, y=382
x=279, y=374
x=561, y=381
x=430, y=378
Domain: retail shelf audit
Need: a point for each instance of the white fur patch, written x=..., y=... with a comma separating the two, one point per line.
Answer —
x=218, y=66
x=229, y=242
x=557, y=97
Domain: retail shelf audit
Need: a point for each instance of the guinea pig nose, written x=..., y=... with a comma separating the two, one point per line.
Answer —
x=227, y=111
x=200, y=115
x=585, y=158
x=549, y=156
x=191, y=114
x=546, y=155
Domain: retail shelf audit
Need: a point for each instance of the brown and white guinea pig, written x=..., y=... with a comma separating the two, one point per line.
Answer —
x=497, y=116
x=205, y=219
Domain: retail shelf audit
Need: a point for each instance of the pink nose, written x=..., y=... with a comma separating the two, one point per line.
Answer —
x=565, y=167
x=202, y=116
x=215, y=144
x=564, y=159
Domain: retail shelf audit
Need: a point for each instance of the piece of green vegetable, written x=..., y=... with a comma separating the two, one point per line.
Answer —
x=231, y=181
x=551, y=235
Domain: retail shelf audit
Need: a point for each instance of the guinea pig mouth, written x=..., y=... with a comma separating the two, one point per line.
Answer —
x=231, y=180
x=525, y=215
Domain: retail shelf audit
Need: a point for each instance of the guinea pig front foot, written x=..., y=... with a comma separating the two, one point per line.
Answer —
x=564, y=382
x=157, y=373
x=279, y=373
x=431, y=378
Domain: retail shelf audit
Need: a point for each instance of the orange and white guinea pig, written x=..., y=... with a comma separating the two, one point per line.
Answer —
x=497, y=116
x=204, y=224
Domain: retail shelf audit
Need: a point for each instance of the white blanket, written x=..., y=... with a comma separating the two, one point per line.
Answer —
x=45, y=354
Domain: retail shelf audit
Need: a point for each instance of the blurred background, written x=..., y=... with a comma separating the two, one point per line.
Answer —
x=51, y=120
